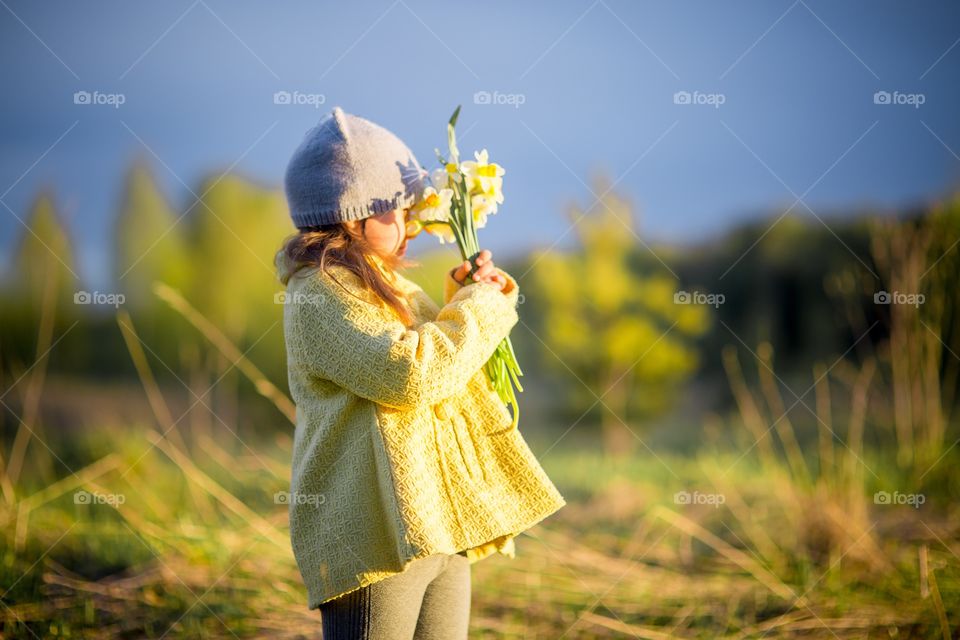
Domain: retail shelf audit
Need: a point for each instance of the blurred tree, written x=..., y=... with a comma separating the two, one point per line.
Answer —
x=41, y=297
x=150, y=241
x=39, y=288
x=620, y=333
x=239, y=228
x=44, y=259
x=150, y=245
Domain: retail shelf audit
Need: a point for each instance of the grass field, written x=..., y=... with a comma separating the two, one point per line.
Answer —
x=154, y=537
x=758, y=528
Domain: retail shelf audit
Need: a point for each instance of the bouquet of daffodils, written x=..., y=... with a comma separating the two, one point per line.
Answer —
x=452, y=209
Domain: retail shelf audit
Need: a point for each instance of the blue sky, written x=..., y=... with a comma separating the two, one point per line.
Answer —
x=576, y=88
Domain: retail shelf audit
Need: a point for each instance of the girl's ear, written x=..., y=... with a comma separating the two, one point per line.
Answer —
x=355, y=226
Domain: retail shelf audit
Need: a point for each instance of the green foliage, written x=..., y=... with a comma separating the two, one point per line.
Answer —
x=218, y=253
x=150, y=245
x=772, y=275
x=40, y=276
x=150, y=242
x=613, y=326
x=43, y=258
x=238, y=229
x=239, y=226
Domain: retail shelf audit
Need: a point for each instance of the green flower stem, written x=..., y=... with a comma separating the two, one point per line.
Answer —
x=502, y=368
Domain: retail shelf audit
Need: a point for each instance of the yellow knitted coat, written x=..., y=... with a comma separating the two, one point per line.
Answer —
x=402, y=447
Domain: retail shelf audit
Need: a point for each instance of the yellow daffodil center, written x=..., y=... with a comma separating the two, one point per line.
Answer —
x=451, y=167
x=432, y=200
x=487, y=171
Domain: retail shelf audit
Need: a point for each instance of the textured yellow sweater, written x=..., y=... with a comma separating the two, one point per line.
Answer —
x=402, y=447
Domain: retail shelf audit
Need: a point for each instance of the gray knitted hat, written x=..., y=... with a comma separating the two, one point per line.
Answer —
x=348, y=168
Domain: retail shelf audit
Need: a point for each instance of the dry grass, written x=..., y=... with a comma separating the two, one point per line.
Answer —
x=182, y=555
x=198, y=547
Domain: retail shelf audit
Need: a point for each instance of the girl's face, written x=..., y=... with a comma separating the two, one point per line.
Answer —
x=387, y=232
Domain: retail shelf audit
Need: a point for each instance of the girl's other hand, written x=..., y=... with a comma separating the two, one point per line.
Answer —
x=486, y=271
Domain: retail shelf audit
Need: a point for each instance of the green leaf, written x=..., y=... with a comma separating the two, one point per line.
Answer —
x=452, y=136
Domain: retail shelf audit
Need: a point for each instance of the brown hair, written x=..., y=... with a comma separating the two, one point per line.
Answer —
x=340, y=244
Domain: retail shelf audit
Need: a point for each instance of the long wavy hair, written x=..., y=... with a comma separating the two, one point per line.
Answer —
x=341, y=244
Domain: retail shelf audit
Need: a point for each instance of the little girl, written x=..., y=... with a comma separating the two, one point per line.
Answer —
x=406, y=469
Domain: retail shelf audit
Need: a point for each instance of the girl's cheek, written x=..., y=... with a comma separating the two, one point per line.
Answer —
x=400, y=232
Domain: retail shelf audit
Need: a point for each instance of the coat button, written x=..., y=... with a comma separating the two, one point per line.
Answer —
x=440, y=411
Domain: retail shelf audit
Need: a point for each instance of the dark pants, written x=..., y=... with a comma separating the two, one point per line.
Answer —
x=430, y=600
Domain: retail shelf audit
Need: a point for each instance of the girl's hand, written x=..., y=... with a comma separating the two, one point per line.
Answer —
x=486, y=271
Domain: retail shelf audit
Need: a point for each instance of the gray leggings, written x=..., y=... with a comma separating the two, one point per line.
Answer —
x=430, y=600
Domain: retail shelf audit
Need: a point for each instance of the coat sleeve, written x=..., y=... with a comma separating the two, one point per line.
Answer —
x=366, y=349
